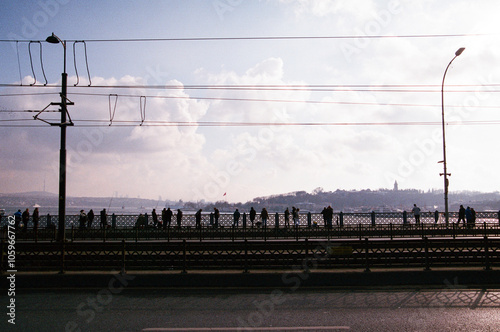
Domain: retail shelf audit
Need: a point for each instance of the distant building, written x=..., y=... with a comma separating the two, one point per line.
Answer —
x=395, y=186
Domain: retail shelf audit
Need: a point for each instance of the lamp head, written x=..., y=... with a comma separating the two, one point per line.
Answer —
x=53, y=39
x=457, y=53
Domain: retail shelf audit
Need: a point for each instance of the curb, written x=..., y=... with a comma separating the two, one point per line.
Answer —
x=291, y=279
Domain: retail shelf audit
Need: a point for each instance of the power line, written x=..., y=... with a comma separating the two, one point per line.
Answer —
x=129, y=123
x=264, y=38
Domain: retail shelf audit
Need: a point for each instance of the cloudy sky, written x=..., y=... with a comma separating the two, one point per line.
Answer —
x=250, y=98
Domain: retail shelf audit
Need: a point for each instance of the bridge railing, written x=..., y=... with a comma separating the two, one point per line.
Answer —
x=229, y=233
x=298, y=256
x=305, y=219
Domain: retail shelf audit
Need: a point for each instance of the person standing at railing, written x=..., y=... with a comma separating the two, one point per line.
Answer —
x=468, y=216
x=295, y=216
x=329, y=216
x=461, y=215
x=17, y=218
x=216, y=217
x=253, y=214
x=104, y=219
x=166, y=215
x=155, y=218
x=82, y=219
x=264, y=215
x=198, y=218
x=416, y=213
x=179, y=218
x=26, y=218
x=90, y=218
x=36, y=219
x=236, y=216
x=287, y=218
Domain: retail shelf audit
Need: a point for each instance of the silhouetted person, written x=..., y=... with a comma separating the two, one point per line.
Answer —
x=461, y=215
x=468, y=216
x=82, y=220
x=264, y=216
x=198, y=218
x=166, y=215
x=216, y=217
x=104, y=219
x=324, y=212
x=141, y=222
x=18, y=217
x=287, y=218
x=36, y=219
x=436, y=216
x=236, y=216
x=179, y=218
x=416, y=213
x=473, y=217
x=113, y=221
x=295, y=216
x=253, y=214
x=329, y=216
x=26, y=218
x=155, y=218
x=90, y=218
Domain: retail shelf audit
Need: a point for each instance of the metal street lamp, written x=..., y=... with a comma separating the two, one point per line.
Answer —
x=445, y=174
x=53, y=39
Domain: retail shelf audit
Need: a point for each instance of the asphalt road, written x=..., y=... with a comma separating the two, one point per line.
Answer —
x=117, y=308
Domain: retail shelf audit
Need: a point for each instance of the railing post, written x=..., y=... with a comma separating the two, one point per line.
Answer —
x=72, y=233
x=367, y=258
x=486, y=255
x=104, y=234
x=184, y=262
x=246, y=257
x=309, y=219
x=244, y=220
x=427, y=265
x=359, y=229
x=123, y=256
x=341, y=219
x=307, y=255
x=390, y=230
x=63, y=244
x=373, y=218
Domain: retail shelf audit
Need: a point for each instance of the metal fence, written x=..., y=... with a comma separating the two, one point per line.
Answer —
x=305, y=219
x=253, y=255
x=174, y=233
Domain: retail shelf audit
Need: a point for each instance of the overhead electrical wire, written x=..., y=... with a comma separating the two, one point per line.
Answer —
x=129, y=123
x=113, y=40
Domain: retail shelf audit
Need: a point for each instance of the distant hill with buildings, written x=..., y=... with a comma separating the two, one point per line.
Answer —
x=341, y=200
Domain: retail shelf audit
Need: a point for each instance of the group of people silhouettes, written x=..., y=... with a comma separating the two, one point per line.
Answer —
x=467, y=216
x=86, y=220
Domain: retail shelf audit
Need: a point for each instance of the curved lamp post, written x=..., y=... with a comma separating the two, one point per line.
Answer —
x=53, y=39
x=445, y=174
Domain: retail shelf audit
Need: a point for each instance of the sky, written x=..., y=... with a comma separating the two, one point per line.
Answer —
x=358, y=108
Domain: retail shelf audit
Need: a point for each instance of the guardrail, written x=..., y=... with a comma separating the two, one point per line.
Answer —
x=246, y=255
x=305, y=219
x=387, y=231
